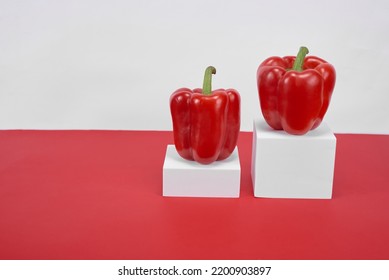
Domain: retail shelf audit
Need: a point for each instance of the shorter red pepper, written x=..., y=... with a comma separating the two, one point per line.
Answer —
x=206, y=123
x=295, y=92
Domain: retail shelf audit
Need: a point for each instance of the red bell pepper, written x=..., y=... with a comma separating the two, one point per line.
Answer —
x=206, y=123
x=295, y=92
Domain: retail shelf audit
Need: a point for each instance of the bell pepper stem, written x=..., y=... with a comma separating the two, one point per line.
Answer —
x=207, y=84
x=298, y=63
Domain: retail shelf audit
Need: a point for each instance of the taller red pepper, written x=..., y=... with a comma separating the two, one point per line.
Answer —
x=206, y=123
x=295, y=92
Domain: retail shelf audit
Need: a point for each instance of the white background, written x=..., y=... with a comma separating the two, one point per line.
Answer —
x=108, y=269
x=112, y=64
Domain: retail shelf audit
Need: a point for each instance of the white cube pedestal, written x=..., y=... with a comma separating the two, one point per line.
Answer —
x=191, y=179
x=290, y=166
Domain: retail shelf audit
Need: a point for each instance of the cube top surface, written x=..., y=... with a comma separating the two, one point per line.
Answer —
x=265, y=131
x=173, y=160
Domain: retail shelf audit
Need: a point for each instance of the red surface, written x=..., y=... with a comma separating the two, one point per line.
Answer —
x=97, y=195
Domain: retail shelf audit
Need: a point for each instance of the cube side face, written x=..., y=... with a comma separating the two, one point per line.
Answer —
x=189, y=179
x=197, y=183
x=293, y=167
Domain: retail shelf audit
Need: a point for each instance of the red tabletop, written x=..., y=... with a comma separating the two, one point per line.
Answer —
x=98, y=195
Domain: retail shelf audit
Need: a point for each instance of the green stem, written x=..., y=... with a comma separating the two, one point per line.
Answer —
x=207, y=84
x=298, y=63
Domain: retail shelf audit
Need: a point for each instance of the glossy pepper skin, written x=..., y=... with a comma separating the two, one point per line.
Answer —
x=295, y=92
x=206, y=123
